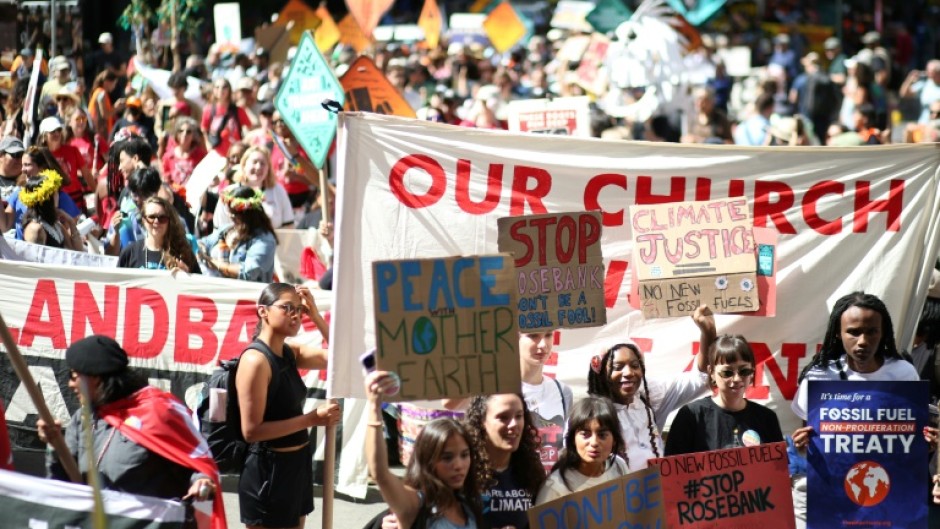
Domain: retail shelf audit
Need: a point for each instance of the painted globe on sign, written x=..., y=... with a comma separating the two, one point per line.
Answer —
x=423, y=336
x=867, y=483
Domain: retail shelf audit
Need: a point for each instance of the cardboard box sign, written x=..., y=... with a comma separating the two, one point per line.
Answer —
x=559, y=269
x=634, y=500
x=690, y=253
x=447, y=326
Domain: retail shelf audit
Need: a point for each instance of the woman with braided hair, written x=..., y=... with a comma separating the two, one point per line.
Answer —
x=619, y=374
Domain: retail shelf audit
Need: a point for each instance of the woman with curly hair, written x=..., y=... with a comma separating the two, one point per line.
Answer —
x=441, y=487
x=43, y=223
x=642, y=404
x=165, y=246
x=506, y=444
x=244, y=250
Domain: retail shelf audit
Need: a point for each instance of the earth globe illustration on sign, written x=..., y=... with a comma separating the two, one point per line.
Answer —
x=867, y=483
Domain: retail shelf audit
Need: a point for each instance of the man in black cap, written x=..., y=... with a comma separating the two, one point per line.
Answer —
x=143, y=439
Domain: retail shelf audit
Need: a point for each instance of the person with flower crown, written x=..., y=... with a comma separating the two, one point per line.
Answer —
x=43, y=222
x=245, y=250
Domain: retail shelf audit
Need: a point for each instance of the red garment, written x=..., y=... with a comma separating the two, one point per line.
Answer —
x=177, y=170
x=6, y=454
x=72, y=161
x=85, y=146
x=281, y=165
x=159, y=422
x=212, y=120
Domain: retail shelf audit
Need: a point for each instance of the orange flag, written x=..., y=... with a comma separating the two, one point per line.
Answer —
x=327, y=34
x=504, y=27
x=351, y=34
x=368, y=90
x=430, y=22
x=368, y=13
x=303, y=17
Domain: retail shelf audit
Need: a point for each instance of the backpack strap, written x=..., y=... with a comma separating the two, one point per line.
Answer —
x=564, y=405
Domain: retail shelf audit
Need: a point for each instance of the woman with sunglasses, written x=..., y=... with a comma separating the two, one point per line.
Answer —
x=165, y=246
x=727, y=419
x=181, y=159
x=276, y=485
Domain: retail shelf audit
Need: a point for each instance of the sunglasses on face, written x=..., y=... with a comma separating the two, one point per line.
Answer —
x=744, y=372
x=157, y=219
x=289, y=309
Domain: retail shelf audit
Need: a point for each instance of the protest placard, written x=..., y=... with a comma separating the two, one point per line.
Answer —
x=566, y=116
x=733, y=488
x=504, y=27
x=369, y=90
x=591, y=73
x=228, y=24
x=691, y=253
x=559, y=275
x=447, y=326
x=571, y=14
x=867, y=458
x=634, y=500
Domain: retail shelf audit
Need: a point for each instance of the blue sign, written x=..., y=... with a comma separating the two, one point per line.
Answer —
x=867, y=456
x=309, y=82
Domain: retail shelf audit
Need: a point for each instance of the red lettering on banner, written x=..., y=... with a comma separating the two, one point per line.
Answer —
x=645, y=195
x=735, y=188
x=593, y=190
x=864, y=205
x=494, y=188
x=87, y=313
x=813, y=195
x=201, y=328
x=521, y=194
x=428, y=165
x=788, y=383
x=136, y=299
x=243, y=322
x=764, y=208
x=613, y=281
x=45, y=297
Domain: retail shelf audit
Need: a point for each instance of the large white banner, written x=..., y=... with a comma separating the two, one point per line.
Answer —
x=847, y=219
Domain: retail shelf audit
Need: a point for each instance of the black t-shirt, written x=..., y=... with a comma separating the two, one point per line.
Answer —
x=136, y=255
x=702, y=426
x=506, y=502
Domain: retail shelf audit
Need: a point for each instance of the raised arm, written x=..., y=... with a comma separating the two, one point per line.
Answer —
x=705, y=321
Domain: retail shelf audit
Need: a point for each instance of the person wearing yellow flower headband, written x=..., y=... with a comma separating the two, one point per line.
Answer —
x=245, y=250
x=43, y=223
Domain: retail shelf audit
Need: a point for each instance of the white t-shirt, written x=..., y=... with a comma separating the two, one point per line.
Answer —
x=555, y=488
x=276, y=204
x=666, y=395
x=549, y=403
x=893, y=369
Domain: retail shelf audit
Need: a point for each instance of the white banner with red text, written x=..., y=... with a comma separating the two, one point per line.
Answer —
x=847, y=219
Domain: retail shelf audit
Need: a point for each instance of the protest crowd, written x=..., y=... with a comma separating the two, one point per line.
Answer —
x=188, y=167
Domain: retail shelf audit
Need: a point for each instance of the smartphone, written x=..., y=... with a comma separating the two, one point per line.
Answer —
x=368, y=361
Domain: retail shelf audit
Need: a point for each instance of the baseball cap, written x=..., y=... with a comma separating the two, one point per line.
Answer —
x=245, y=83
x=11, y=145
x=49, y=124
x=871, y=37
x=105, y=38
x=134, y=101
x=61, y=63
x=832, y=43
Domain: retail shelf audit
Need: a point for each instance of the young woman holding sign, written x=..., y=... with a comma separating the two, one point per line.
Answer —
x=727, y=419
x=643, y=405
x=591, y=454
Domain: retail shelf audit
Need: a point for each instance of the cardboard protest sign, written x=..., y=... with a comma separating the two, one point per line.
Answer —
x=592, y=73
x=565, y=116
x=559, y=269
x=867, y=458
x=467, y=29
x=227, y=18
x=368, y=90
x=351, y=34
x=572, y=14
x=327, y=33
x=431, y=22
x=691, y=253
x=447, y=326
x=634, y=500
x=302, y=16
x=737, y=487
x=504, y=27
x=607, y=15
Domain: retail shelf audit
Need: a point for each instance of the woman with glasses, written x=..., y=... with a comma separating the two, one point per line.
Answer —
x=276, y=485
x=727, y=419
x=180, y=160
x=245, y=249
x=165, y=246
x=642, y=403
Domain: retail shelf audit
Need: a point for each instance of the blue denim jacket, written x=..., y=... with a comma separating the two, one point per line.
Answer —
x=256, y=256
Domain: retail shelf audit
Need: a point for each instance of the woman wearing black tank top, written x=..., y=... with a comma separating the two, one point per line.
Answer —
x=276, y=486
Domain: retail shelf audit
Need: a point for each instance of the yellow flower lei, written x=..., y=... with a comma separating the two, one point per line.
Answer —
x=242, y=204
x=46, y=190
